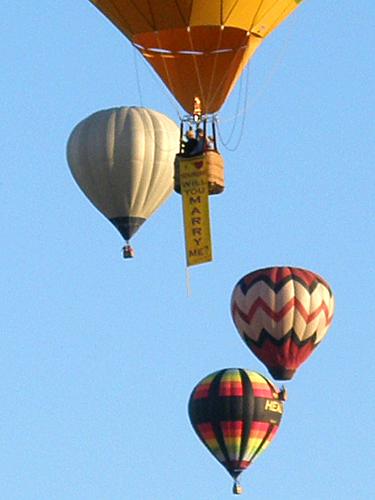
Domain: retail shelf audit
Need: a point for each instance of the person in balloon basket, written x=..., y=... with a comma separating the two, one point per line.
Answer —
x=191, y=144
x=196, y=143
x=209, y=144
x=201, y=142
x=205, y=143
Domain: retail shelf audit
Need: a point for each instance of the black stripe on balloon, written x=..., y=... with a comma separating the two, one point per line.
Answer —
x=267, y=412
x=247, y=411
x=201, y=412
x=277, y=286
x=215, y=404
x=231, y=409
x=264, y=412
x=266, y=336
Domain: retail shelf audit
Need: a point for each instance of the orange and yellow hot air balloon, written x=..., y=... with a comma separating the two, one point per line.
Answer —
x=198, y=47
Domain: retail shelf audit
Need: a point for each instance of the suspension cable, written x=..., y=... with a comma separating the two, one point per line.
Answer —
x=269, y=76
x=135, y=56
x=238, y=114
x=162, y=87
x=263, y=89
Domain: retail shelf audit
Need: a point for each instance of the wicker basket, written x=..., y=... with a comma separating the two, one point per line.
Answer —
x=215, y=172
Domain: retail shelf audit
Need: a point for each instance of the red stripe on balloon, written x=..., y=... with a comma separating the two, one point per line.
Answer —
x=206, y=431
x=259, y=303
x=201, y=391
x=231, y=389
x=232, y=429
x=288, y=355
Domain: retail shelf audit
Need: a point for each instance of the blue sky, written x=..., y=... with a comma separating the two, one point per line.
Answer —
x=99, y=355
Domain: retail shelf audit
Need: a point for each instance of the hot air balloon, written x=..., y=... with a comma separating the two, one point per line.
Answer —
x=122, y=159
x=198, y=48
x=236, y=414
x=282, y=314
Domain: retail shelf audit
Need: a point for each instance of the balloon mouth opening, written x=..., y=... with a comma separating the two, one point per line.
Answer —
x=127, y=226
x=281, y=373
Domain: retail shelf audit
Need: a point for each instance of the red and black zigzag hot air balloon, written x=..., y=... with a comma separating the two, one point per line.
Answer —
x=236, y=414
x=282, y=314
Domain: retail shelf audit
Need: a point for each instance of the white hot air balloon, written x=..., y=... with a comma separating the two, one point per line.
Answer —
x=122, y=159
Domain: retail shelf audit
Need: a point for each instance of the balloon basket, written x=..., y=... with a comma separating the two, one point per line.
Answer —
x=237, y=489
x=128, y=252
x=283, y=394
x=215, y=171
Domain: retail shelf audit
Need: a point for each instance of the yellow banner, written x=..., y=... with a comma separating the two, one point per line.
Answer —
x=194, y=190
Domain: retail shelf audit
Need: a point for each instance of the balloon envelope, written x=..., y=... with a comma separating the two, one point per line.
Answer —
x=122, y=159
x=282, y=314
x=236, y=414
x=198, y=47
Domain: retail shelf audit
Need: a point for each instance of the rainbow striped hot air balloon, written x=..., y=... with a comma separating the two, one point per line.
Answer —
x=282, y=314
x=236, y=414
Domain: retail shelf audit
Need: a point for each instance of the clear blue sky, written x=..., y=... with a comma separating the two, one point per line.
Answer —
x=98, y=355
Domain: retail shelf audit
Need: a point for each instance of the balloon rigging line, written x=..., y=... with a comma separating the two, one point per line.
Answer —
x=214, y=69
x=247, y=105
x=178, y=7
x=271, y=75
x=188, y=281
x=137, y=77
x=225, y=75
x=196, y=65
x=227, y=141
x=171, y=86
x=162, y=87
x=268, y=78
x=236, y=117
x=141, y=14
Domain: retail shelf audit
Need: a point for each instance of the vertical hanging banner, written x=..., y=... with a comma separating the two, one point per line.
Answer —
x=194, y=190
